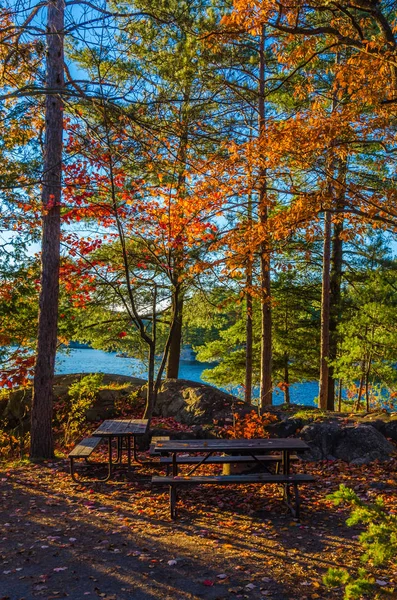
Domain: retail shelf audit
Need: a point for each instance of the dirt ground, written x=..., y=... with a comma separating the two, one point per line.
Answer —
x=115, y=540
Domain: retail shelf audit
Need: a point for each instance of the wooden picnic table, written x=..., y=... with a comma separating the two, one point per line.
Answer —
x=122, y=430
x=253, y=448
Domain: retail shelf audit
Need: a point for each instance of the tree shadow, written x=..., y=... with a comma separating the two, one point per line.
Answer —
x=70, y=542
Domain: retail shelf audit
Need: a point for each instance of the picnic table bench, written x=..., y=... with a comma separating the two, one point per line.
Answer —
x=83, y=449
x=256, y=450
x=124, y=431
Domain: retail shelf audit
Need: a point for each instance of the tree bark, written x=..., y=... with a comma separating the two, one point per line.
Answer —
x=175, y=343
x=249, y=336
x=174, y=356
x=41, y=417
x=325, y=314
x=340, y=395
x=151, y=393
x=266, y=314
x=286, y=379
x=335, y=287
x=361, y=385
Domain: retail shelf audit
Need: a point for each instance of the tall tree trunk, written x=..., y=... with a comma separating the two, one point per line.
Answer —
x=266, y=313
x=286, y=378
x=328, y=303
x=367, y=372
x=248, y=334
x=248, y=317
x=41, y=418
x=340, y=395
x=361, y=385
x=174, y=356
x=325, y=313
x=335, y=285
x=151, y=391
x=175, y=343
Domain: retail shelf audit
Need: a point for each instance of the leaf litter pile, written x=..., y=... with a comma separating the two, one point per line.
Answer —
x=115, y=540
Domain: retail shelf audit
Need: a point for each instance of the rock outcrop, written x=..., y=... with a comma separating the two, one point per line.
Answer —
x=357, y=439
x=194, y=403
x=356, y=444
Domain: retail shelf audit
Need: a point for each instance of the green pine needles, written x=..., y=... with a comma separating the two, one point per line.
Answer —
x=378, y=540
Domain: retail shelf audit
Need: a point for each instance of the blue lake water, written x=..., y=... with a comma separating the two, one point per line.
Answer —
x=97, y=361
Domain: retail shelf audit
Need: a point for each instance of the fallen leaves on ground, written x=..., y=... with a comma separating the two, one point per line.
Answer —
x=115, y=539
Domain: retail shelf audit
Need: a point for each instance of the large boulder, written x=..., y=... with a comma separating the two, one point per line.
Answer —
x=390, y=430
x=384, y=422
x=285, y=427
x=321, y=437
x=194, y=403
x=356, y=444
x=362, y=444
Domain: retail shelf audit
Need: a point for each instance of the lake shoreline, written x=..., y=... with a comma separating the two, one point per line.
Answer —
x=89, y=360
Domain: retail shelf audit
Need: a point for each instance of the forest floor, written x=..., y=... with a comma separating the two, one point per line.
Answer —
x=115, y=540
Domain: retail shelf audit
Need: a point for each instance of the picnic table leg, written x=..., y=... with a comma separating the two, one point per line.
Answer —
x=286, y=462
x=110, y=458
x=174, y=465
x=294, y=508
x=119, y=450
x=72, y=473
x=297, y=502
x=173, y=498
x=129, y=451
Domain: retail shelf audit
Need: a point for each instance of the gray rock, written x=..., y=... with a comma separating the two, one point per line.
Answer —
x=285, y=427
x=362, y=444
x=321, y=437
x=390, y=430
x=330, y=440
x=103, y=406
x=194, y=403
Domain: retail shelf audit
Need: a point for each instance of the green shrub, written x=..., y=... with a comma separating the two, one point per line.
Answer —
x=82, y=394
x=378, y=540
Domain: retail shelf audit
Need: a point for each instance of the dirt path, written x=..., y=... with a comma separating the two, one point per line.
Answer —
x=115, y=540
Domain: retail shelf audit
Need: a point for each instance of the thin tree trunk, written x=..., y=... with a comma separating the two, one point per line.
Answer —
x=151, y=387
x=151, y=394
x=248, y=335
x=266, y=314
x=175, y=343
x=335, y=286
x=361, y=386
x=164, y=358
x=325, y=313
x=328, y=346
x=340, y=395
x=248, y=318
x=41, y=417
x=335, y=308
x=367, y=384
x=286, y=378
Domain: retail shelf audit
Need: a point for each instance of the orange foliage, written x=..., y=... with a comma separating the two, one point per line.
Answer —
x=249, y=426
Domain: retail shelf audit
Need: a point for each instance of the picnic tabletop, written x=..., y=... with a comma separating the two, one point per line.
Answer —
x=227, y=445
x=121, y=427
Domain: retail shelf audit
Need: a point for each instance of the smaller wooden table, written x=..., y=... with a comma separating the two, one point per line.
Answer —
x=121, y=429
